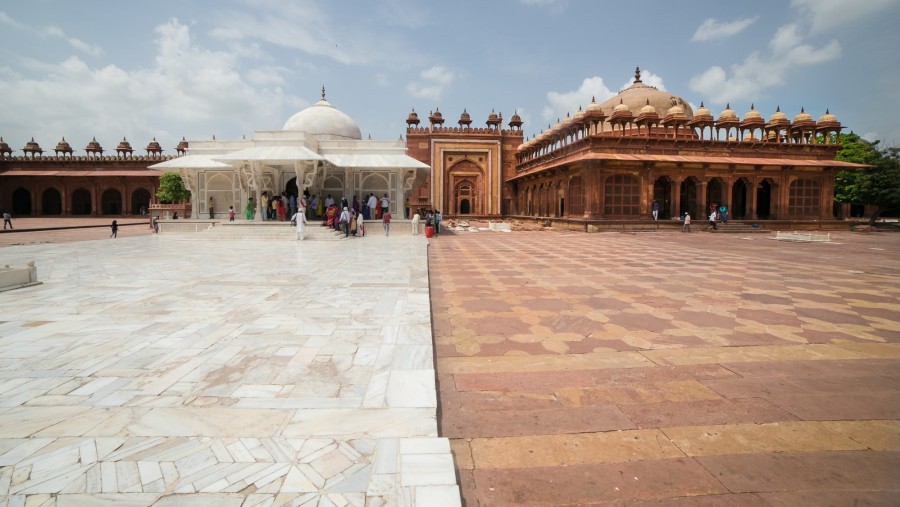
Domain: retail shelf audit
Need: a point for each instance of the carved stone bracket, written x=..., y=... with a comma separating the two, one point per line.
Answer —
x=409, y=178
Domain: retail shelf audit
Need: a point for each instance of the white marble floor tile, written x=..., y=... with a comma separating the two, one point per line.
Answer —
x=150, y=366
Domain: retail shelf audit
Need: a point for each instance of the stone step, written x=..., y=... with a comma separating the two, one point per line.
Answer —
x=739, y=228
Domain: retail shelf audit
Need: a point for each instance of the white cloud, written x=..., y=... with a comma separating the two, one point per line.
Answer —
x=305, y=26
x=712, y=29
x=382, y=80
x=432, y=84
x=561, y=103
x=186, y=86
x=827, y=14
x=750, y=78
x=52, y=32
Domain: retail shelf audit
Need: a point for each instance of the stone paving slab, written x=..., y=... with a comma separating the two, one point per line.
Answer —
x=155, y=370
x=752, y=372
x=807, y=471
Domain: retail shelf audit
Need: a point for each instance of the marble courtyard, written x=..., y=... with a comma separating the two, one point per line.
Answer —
x=160, y=370
x=572, y=369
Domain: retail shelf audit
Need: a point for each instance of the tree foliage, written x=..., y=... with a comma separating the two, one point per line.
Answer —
x=171, y=189
x=878, y=185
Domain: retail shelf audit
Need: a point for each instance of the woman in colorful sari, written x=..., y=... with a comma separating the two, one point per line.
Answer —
x=281, y=210
x=330, y=216
x=320, y=207
x=248, y=211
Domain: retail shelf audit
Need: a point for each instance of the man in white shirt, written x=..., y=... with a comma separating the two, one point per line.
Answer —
x=372, y=203
x=385, y=203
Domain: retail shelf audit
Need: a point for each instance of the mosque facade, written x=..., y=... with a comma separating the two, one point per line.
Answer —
x=616, y=160
x=640, y=149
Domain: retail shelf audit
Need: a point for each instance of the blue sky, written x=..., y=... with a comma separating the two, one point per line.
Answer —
x=228, y=67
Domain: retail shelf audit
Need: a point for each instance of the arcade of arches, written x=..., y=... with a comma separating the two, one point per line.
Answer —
x=614, y=160
x=626, y=195
x=67, y=184
x=86, y=198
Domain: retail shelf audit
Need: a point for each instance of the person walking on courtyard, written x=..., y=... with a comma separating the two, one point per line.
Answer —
x=686, y=226
x=712, y=220
x=723, y=213
x=406, y=208
x=280, y=211
x=437, y=222
x=654, y=210
x=211, y=203
x=248, y=211
x=386, y=221
x=300, y=218
x=231, y=213
x=7, y=220
x=115, y=230
x=415, y=224
x=155, y=225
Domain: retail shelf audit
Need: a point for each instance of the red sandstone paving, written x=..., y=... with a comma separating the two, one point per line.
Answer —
x=760, y=282
x=828, y=407
x=595, y=483
x=820, y=498
x=799, y=369
x=538, y=381
x=812, y=471
x=705, y=412
x=521, y=422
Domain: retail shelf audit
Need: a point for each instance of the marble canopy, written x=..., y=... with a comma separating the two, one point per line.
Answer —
x=319, y=149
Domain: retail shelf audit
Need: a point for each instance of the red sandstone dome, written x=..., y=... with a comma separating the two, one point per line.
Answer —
x=63, y=147
x=413, y=118
x=32, y=147
x=4, y=148
x=154, y=147
x=465, y=118
x=516, y=120
x=94, y=147
x=638, y=95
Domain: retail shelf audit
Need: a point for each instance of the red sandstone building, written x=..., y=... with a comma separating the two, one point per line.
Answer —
x=69, y=184
x=609, y=161
x=612, y=160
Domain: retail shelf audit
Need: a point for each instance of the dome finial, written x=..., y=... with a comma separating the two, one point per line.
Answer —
x=323, y=91
x=637, y=74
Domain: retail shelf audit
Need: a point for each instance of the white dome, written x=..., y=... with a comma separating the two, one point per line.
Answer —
x=324, y=121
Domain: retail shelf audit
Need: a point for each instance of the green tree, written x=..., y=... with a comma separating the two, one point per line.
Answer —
x=880, y=185
x=171, y=189
x=859, y=151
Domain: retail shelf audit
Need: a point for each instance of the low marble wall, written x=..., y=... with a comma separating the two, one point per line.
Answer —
x=18, y=277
